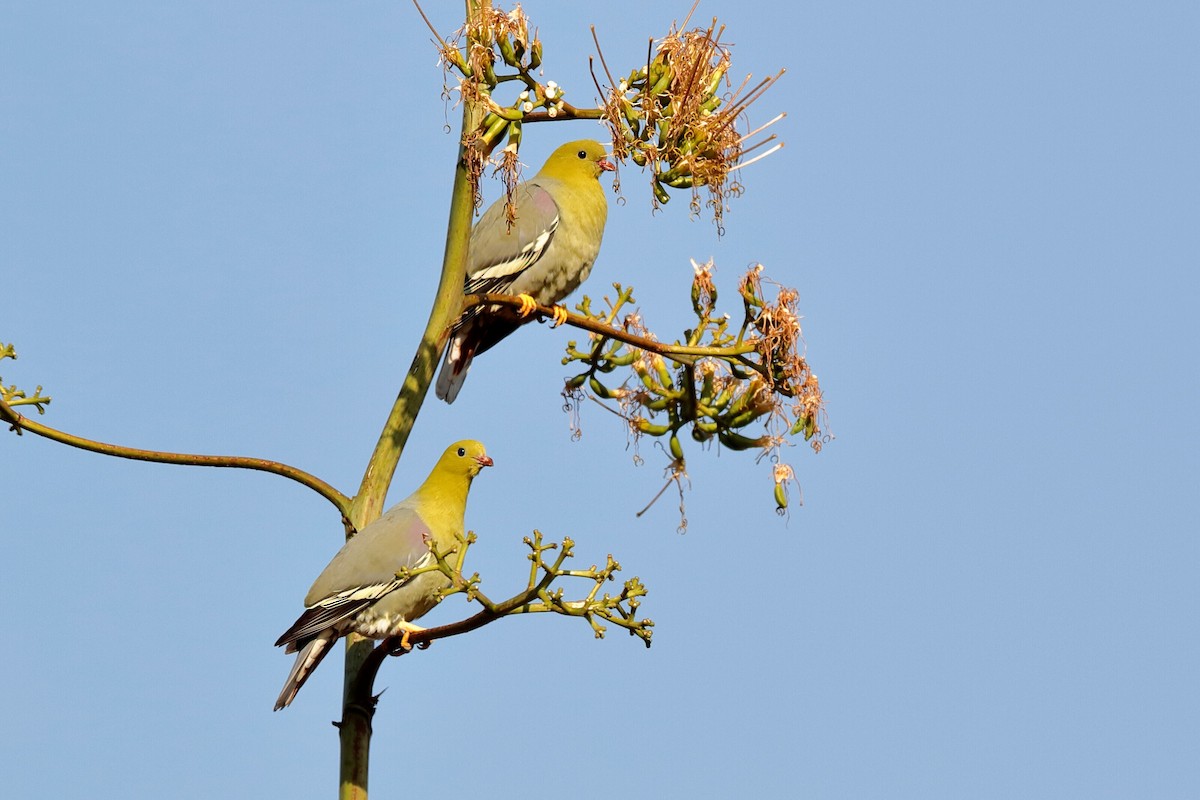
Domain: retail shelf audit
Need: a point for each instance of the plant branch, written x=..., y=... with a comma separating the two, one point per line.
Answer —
x=537, y=597
x=566, y=111
x=596, y=326
x=20, y=423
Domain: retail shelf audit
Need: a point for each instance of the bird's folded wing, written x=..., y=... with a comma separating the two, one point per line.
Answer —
x=364, y=570
x=332, y=610
x=499, y=254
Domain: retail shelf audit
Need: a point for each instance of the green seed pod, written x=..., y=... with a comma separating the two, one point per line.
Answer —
x=629, y=111
x=676, y=447
x=780, y=497
x=510, y=113
x=750, y=299
x=660, y=194
x=664, y=375
x=723, y=399
x=489, y=74
x=646, y=426
x=494, y=130
x=714, y=81
x=743, y=419
x=800, y=424
x=598, y=388
x=649, y=382
x=660, y=82
x=535, y=54
x=622, y=360
x=455, y=59
x=739, y=402
x=663, y=126
x=576, y=381
x=514, y=135
x=680, y=170
x=735, y=441
x=657, y=404
x=507, y=52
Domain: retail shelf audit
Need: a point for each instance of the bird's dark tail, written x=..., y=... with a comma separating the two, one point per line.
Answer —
x=474, y=335
x=308, y=659
x=454, y=366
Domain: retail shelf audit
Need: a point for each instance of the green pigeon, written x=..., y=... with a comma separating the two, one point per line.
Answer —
x=359, y=591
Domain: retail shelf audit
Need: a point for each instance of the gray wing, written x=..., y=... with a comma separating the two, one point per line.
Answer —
x=499, y=254
x=363, y=571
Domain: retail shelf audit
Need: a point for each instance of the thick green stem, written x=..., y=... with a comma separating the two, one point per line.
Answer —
x=358, y=704
x=368, y=503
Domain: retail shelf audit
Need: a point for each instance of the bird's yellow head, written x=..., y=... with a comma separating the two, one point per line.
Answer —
x=466, y=458
x=583, y=158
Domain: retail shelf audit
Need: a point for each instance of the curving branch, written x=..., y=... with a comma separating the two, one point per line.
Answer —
x=19, y=423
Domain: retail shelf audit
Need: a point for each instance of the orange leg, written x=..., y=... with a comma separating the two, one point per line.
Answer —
x=528, y=305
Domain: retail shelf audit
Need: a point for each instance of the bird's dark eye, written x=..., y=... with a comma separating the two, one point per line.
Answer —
x=462, y=451
x=583, y=153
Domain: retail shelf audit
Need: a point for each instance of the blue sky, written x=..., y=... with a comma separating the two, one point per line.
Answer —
x=221, y=230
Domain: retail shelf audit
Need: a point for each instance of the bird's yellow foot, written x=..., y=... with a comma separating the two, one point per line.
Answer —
x=560, y=316
x=528, y=305
x=406, y=630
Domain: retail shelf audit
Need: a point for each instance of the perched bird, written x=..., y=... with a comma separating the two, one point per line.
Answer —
x=544, y=256
x=359, y=590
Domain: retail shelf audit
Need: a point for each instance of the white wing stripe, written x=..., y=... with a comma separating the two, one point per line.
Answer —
x=515, y=266
x=372, y=592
